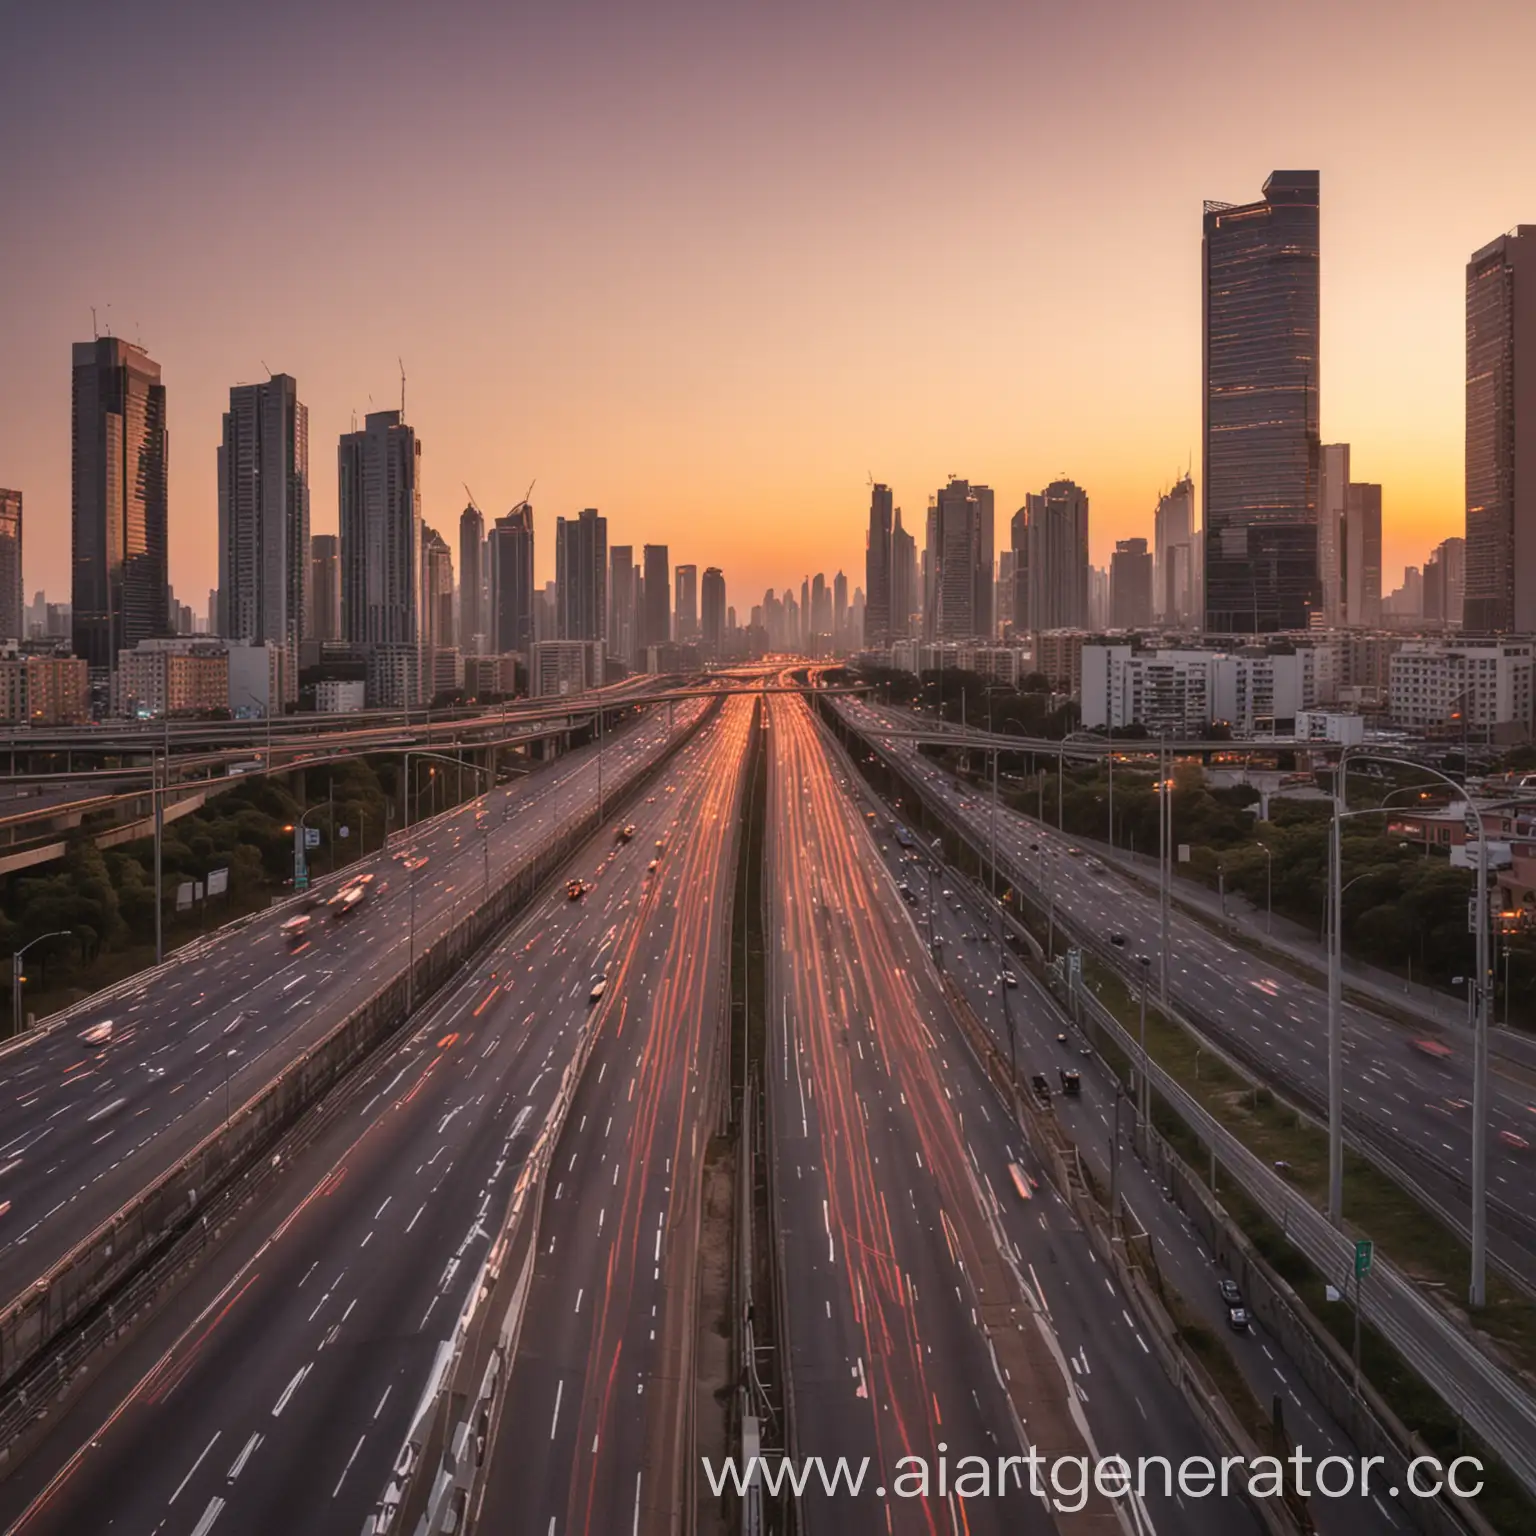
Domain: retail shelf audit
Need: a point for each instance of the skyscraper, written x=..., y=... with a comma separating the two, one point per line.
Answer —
x=436, y=589
x=821, y=606
x=623, y=635
x=878, y=619
x=12, y=605
x=712, y=612
x=957, y=538
x=119, y=532
x=581, y=576
x=1444, y=582
x=264, y=519
x=1130, y=585
x=1501, y=436
x=509, y=554
x=840, y=610
x=472, y=621
x=657, y=626
x=379, y=490
x=1332, y=509
x=1173, y=554
x=904, y=583
x=982, y=571
x=1261, y=443
x=685, y=622
x=1362, y=556
x=1058, y=556
x=324, y=611
x=1018, y=529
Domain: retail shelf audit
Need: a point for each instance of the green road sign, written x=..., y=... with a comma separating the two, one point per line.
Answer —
x=1365, y=1254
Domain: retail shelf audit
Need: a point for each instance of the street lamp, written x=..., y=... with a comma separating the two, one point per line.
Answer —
x=1269, y=867
x=17, y=978
x=1144, y=1095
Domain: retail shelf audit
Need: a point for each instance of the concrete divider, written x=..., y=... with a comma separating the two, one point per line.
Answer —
x=62, y=1301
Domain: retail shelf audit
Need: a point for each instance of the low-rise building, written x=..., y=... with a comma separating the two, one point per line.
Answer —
x=562, y=667
x=172, y=677
x=44, y=690
x=1325, y=725
x=340, y=696
x=1477, y=687
x=490, y=677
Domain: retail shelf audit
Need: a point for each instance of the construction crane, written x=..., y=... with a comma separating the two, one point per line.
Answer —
x=401, y=361
x=475, y=504
x=527, y=493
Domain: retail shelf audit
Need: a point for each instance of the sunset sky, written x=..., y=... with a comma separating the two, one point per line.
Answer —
x=708, y=266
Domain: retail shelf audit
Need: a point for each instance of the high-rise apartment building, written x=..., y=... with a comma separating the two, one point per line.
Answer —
x=1173, y=527
x=12, y=597
x=1056, y=557
x=878, y=611
x=840, y=610
x=983, y=571
x=509, y=556
x=957, y=598
x=118, y=502
x=1018, y=529
x=436, y=589
x=821, y=606
x=1362, y=556
x=1130, y=585
x=473, y=627
x=656, y=628
x=685, y=606
x=1261, y=437
x=324, y=611
x=1501, y=436
x=263, y=466
x=712, y=612
x=623, y=616
x=379, y=491
x=1332, y=537
x=581, y=576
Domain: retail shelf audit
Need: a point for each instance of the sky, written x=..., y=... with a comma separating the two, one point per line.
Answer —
x=711, y=266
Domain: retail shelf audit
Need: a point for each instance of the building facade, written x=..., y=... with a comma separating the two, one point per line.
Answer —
x=1173, y=524
x=1261, y=451
x=656, y=617
x=877, y=567
x=712, y=613
x=473, y=628
x=13, y=625
x=324, y=611
x=685, y=605
x=581, y=576
x=1362, y=557
x=509, y=557
x=1057, y=556
x=1481, y=687
x=1130, y=585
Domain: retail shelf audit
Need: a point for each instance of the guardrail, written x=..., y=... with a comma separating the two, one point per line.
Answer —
x=69, y=1297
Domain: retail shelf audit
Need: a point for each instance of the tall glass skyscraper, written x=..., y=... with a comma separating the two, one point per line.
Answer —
x=1501, y=436
x=1261, y=450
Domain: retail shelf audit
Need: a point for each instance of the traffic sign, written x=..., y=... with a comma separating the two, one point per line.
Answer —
x=311, y=837
x=1365, y=1255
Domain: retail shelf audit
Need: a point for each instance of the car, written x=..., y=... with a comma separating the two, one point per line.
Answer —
x=574, y=890
x=1072, y=853
x=1096, y=866
x=1230, y=1294
x=1238, y=1319
x=1071, y=1081
x=97, y=1034
x=1061, y=1039
x=1118, y=940
x=653, y=866
x=1009, y=979
x=1034, y=847
x=599, y=987
x=1514, y=1139
x=625, y=833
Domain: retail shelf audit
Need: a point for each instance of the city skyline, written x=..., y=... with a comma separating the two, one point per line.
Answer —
x=622, y=415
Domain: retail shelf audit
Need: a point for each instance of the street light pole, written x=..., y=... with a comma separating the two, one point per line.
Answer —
x=1477, y=1291
x=1335, y=1009
x=1144, y=1094
x=18, y=976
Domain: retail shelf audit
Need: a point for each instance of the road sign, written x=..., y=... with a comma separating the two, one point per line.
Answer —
x=218, y=881
x=311, y=837
x=343, y=831
x=1183, y=853
x=1365, y=1256
x=300, y=871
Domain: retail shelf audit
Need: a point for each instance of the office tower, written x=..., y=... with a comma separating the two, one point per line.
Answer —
x=1098, y=598
x=840, y=610
x=803, y=634
x=264, y=548
x=1444, y=582
x=1018, y=529
x=1332, y=509
x=509, y=556
x=472, y=622
x=324, y=612
x=983, y=614
x=713, y=612
x=1172, y=547
x=856, y=620
x=657, y=626
x=685, y=608
x=546, y=614
x=959, y=530
x=1261, y=444
x=878, y=610
x=1362, y=556
x=581, y=576
x=1501, y=436
x=118, y=451
x=12, y=605
x=623, y=638
x=1130, y=585
x=1057, y=559
x=379, y=485
x=436, y=589
x=904, y=588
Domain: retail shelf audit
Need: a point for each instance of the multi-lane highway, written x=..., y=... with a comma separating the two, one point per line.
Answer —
x=927, y=1302
x=85, y=1128
x=276, y=1395
x=595, y=1436
x=1279, y=1017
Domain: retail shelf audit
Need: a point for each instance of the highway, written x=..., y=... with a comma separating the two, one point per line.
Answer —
x=84, y=1129
x=276, y=1394
x=1424, y=1105
x=595, y=1436
x=1025, y=1017
x=909, y=1258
